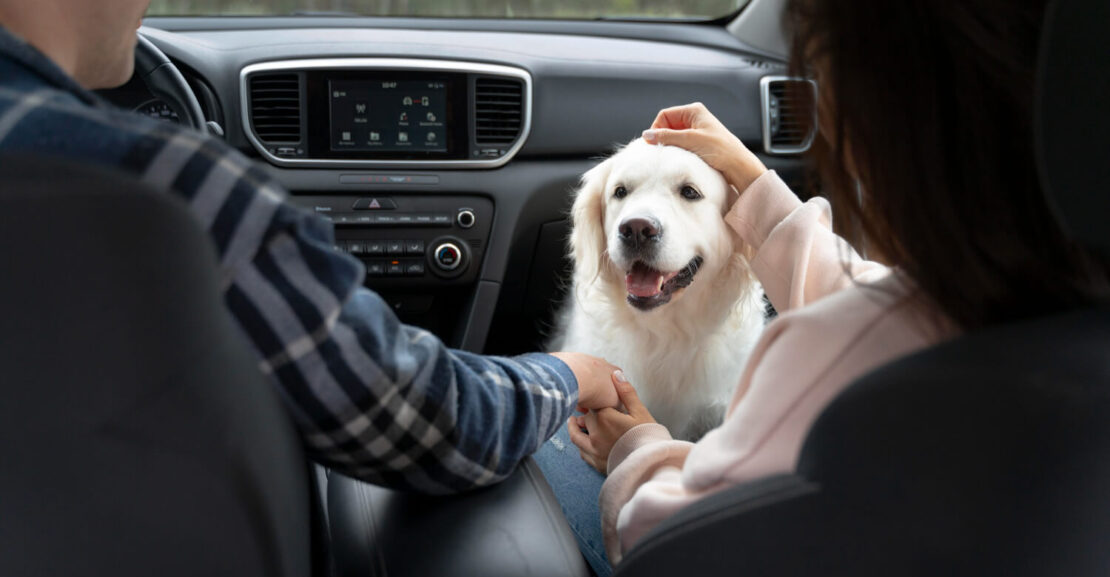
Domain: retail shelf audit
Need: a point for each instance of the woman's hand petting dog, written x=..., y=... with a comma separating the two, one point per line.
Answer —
x=594, y=375
x=694, y=128
x=604, y=427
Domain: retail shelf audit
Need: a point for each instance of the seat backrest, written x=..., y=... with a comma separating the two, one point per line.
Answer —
x=987, y=455
x=1072, y=121
x=137, y=434
x=983, y=456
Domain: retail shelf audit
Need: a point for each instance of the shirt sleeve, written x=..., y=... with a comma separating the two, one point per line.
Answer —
x=373, y=398
x=798, y=258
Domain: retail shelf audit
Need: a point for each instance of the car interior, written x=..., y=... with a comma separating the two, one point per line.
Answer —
x=446, y=152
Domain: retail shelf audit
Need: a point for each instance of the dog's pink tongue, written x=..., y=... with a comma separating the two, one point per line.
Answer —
x=643, y=281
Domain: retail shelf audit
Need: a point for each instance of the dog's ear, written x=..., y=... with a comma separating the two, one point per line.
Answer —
x=587, y=236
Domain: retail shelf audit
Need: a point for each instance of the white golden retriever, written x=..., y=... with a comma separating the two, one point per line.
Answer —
x=662, y=286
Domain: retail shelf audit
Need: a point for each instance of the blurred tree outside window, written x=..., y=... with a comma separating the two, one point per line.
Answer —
x=564, y=9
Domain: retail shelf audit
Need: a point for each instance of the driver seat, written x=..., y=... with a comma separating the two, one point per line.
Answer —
x=137, y=434
x=986, y=455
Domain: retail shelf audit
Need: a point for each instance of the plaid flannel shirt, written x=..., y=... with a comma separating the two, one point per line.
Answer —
x=372, y=397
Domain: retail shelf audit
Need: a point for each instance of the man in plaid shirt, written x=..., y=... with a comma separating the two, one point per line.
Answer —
x=373, y=398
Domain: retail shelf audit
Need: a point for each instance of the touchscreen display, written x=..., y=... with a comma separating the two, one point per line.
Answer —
x=388, y=116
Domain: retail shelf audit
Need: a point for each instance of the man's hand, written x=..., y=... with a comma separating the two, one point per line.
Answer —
x=605, y=426
x=595, y=387
x=694, y=128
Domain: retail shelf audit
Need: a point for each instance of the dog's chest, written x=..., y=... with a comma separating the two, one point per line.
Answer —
x=686, y=386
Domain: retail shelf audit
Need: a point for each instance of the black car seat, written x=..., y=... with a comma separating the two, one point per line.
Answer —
x=137, y=435
x=988, y=455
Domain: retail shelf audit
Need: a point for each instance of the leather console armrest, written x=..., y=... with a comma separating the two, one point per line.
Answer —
x=514, y=528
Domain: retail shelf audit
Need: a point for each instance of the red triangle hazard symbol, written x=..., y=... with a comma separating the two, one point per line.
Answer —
x=374, y=203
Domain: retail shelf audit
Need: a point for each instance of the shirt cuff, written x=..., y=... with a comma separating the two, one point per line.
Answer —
x=636, y=437
x=761, y=207
x=566, y=379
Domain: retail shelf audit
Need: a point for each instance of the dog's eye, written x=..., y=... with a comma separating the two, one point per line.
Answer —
x=690, y=193
x=620, y=192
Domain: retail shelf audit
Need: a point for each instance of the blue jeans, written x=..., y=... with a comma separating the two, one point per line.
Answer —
x=577, y=487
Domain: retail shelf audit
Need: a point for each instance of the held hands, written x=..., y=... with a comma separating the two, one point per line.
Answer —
x=603, y=427
x=694, y=128
x=595, y=388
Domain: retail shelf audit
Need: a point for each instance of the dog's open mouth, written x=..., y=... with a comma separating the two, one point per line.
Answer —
x=649, y=288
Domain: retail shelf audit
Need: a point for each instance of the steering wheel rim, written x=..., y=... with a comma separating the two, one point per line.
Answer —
x=166, y=82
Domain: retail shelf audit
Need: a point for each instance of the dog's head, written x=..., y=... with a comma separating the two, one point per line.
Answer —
x=649, y=218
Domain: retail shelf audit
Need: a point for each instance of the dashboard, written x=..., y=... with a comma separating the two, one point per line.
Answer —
x=446, y=153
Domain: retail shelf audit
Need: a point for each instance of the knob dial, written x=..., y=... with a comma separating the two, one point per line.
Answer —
x=466, y=218
x=447, y=256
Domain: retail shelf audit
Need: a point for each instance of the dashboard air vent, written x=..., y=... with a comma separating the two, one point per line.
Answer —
x=789, y=114
x=498, y=110
x=276, y=107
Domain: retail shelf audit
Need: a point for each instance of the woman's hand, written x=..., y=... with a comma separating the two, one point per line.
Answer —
x=605, y=426
x=594, y=375
x=694, y=128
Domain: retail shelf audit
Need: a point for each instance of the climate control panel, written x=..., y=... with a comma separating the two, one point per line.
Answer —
x=409, y=241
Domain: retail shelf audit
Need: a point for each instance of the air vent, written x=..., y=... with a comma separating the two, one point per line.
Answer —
x=789, y=114
x=276, y=108
x=498, y=111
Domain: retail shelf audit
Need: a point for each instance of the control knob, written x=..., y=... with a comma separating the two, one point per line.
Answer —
x=466, y=218
x=447, y=256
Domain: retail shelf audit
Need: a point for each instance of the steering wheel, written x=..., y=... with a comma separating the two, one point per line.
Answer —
x=165, y=81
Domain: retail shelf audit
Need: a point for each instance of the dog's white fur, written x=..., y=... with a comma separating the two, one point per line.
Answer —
x=685, y=357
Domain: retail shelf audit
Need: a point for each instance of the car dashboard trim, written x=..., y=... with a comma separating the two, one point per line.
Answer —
x=399, y=64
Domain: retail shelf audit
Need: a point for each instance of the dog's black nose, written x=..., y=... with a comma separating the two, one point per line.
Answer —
x=638, y=232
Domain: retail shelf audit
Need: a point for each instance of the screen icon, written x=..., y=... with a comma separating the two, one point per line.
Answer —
x=360, y=108
x=425, y=101
x=404, y=117
x=346, y=136
x=375, y=136
x=431, y=117
x=431, y=136
x=402, y=137
x=407, y=101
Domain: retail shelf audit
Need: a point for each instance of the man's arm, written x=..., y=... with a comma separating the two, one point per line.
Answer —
x=374, y=398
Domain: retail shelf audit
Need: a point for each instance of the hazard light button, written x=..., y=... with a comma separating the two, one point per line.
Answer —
x=376, y=203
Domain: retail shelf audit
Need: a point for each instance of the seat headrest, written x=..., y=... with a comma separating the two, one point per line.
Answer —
x=1072, y=117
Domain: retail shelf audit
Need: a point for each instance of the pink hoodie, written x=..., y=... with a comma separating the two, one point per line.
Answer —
x=839, y=317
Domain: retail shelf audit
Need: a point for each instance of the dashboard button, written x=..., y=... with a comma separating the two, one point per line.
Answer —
x=414, y=247
x=441, y=219
x=448, y=257
x=394, y=247
x=466, y=218
x=378, y=203
x=375, y=268
x=356, y=247
x=394, y=268
x=414, y=268
x=375, y=247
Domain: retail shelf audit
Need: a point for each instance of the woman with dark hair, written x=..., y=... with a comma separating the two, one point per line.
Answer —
x=926, y=142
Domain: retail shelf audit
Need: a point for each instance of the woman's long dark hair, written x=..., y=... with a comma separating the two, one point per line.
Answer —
x=929, y=103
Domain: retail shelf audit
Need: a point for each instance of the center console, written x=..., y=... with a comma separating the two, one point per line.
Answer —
x=379, y=133
x=388, y=124
x=422, y=253
x=386, y=113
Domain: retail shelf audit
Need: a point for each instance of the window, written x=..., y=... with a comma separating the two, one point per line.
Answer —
x=684, y=10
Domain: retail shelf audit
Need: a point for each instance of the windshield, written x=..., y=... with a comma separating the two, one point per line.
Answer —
x=564, y=9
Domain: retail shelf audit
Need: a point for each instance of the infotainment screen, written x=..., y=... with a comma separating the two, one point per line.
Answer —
x=389, y=115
